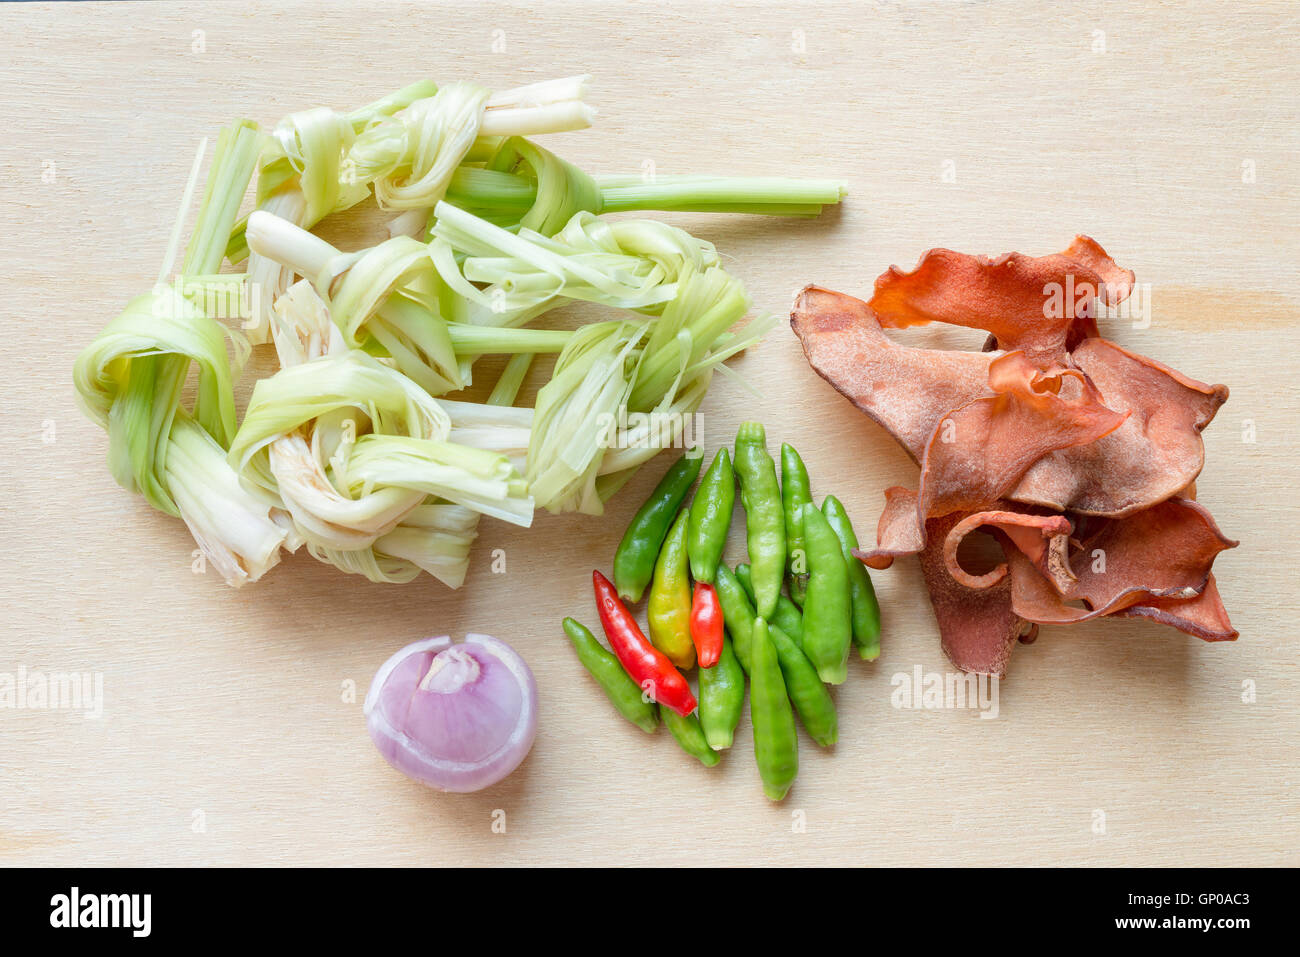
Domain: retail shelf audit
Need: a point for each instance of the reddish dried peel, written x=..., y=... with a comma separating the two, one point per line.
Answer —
x=1107, y=440
x=1030, y=303
x=1163, y=553
x=1151, y=457
x=906, y=391
x=1040, y=537
x=1203, y=616
x=980, y=451
x=977, y=626
x=897, y=533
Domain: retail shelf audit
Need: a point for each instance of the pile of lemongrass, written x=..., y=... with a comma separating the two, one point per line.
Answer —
x=353, y=448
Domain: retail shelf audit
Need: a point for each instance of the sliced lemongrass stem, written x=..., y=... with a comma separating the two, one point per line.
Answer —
x=622, y=193
x=500, y=340
x=538, y=94
x=534, y=120
x=512, y=379
x=233, y=164
x=390, y=104
x=291, y=246
x=174, y=243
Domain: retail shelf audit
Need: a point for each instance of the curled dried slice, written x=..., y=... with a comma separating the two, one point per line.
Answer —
x=1203, y=616
x=1041, y=538
x=906, y=391
x=977, y=626
x=1041, y=305
x=897, y=532
x=1161, y=553
x=980, y=450
x=1151, y=457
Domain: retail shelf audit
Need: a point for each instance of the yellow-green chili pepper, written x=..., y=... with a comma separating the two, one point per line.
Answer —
x=669, y=607
x=688, y=733
x=796, y=492
x=764, y=515
x=710, y=520
x=625, y=693
x=722, y=695
x=776, y=742
x=634, y=561
x=802, y=683
x=827, y=611
x=866, y=610
x=787, y=616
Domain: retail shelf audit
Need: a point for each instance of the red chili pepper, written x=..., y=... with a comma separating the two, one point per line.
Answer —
x=706, y=624
x=647, y=665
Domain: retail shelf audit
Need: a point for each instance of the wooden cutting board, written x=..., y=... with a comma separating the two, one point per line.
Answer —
x=232, y=731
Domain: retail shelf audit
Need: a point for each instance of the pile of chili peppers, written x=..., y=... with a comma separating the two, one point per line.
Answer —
x=734, y=624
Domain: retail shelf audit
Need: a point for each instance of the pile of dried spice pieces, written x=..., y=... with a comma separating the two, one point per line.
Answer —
x=734, y=623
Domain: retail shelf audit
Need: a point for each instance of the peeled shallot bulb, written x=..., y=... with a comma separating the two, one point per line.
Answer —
x=458, y=717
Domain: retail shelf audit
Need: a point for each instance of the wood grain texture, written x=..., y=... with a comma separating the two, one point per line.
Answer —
x=984, y=127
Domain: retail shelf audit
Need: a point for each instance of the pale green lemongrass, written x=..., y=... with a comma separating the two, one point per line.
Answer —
x=708, y=304
x=324, y=517
x=585, y=444
x=302, y=328
x=267, y=277
x=380, y=397
x=435, y=538
x=495, y=426
x=588, y=387
x=237, y=531
x=393, y=297
x=524, y=185
x=584, y=261
x=302, y=178
x=130, y=380
x=771, y=196
x=511, y=380
x=390, y=296
x=410, y=157
x=476, y=478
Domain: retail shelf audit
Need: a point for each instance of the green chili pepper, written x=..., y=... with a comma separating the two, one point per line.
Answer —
x=802, y=684
x=634, y=562
x=690, y=736
x=810, y=697
x=776, y=742
x=737, y=612
x=787, y=616
x=827, y=612
x=668, y=609
x=796, y=492
x=609, y=674
x=711, y=517
x=722, y=695
x=764, y=515
x=866, y=610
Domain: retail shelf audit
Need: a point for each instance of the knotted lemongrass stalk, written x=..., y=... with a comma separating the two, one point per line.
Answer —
x=380, y=478
x=411, y=156
x=131, y=380
x=391, y=300
x=302, y=179
x=386, y=533
x=406, y=145
x=623, y=390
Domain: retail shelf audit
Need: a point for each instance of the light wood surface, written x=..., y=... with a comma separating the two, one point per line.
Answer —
x=1168, y=132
